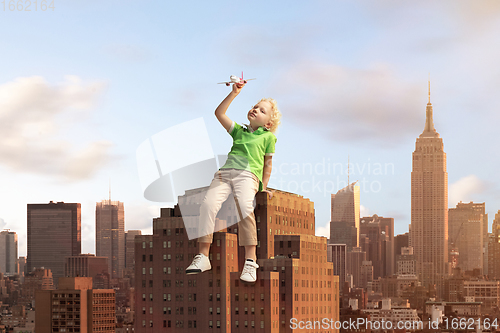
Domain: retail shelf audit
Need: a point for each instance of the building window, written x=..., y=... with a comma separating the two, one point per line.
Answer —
x=150, y=245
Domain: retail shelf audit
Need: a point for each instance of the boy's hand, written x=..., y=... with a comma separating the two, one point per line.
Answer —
x=270, y=193
x=237, y=87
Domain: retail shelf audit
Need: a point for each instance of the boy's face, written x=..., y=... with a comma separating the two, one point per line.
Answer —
x=260, y=115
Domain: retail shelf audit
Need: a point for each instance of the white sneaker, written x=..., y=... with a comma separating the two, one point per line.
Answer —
x=200, y=264
x=249, y=273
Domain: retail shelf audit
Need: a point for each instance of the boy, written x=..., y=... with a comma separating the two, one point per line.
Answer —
x=247, y=170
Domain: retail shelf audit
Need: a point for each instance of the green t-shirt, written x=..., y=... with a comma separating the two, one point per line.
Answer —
x=249, y=148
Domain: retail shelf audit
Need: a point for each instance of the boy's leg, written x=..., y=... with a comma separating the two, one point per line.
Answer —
x=250, y=252
x=217, y=193
x=204, y=247
x=245, y=186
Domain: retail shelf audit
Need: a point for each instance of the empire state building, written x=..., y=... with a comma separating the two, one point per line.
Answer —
x=429, y=206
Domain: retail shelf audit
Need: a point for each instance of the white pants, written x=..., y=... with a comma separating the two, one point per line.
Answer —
x=244, y=185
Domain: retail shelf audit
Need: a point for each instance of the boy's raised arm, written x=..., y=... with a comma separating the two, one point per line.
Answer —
x=220, y=112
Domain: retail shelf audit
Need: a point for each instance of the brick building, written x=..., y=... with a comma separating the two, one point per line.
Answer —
x=294, y=278
x=75, y=307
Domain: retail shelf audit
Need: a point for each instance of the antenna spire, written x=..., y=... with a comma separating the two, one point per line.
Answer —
x=348, y=167
x=429, y=87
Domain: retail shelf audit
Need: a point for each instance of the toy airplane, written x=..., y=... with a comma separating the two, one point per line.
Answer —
x=234, y=79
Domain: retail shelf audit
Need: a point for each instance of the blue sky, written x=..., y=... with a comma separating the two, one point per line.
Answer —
x=81, y=86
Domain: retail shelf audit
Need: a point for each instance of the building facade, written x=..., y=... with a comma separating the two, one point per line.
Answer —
x=110, y=235
x=87, y=265
x=337, y=255
x=54, y=233
x=294, y=277
x=466, y=234
x=75, y=307
x=379, y=245
x=429, y=206
x=344, y=224
x=8, y=253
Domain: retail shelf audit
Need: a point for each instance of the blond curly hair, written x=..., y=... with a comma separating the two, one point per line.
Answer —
x=275, y=114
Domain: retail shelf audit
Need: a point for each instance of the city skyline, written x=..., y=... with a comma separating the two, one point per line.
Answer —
x=77, y=99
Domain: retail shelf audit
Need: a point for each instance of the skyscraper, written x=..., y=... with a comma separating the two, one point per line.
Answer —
x=129, y=271
x=466, y=234
x=294, y=279
x=110, y=235
x=429, y=205
x=129, y=248
x=75, y=307
x=494, y=249
x=54, y=233
x=8, y=253
x=337, y=254
x=344, y=224
x=379, y=248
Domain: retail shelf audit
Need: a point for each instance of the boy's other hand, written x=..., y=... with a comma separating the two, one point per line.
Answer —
x=269, y=193
x=237, y=87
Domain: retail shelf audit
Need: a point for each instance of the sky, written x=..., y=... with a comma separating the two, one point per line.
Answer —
x=84, y=83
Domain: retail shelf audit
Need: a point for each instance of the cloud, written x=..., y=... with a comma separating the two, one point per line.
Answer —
x=139, y=216
x=2, y=223
x=323, y=231
x=364, y=211
x=351, y=104
x=30, y=119
x=465, y=189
